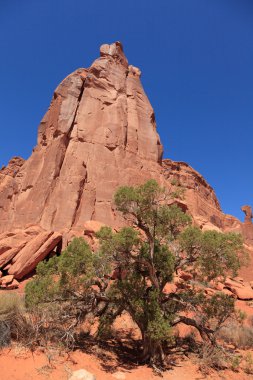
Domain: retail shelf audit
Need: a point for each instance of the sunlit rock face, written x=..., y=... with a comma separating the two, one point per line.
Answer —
x=98, y=133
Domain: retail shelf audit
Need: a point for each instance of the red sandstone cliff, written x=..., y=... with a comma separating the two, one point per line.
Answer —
x=99, y=133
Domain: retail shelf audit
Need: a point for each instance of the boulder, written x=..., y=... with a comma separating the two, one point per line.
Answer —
x=5, y=280
x=92, y=226
x=33, y=253
x=241, y=290
x=243, y=293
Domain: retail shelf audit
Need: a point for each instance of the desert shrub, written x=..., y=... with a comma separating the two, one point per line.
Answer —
x=5, y=334
x=11, y=317
x=212, y=357
x=238, y=335
x=63, y=292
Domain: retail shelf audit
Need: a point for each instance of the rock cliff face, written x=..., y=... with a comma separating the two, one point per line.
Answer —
x=98, y=133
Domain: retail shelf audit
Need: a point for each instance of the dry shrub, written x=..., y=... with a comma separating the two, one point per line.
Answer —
x=15, y=323
x=238, y=335
x=49, y=325
x=11, y=311
x=212, y=357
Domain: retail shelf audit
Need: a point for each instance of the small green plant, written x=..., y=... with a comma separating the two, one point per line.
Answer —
x=240, y=316
x=174, y=182
x=248, y=368
x=235, y=363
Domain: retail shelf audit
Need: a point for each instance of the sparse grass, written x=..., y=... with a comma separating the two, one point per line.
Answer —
x=238, y=335
x=10, y=305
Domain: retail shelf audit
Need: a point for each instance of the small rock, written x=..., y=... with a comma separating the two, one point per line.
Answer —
x=232, y=283
x=185, y=275
x=82, y=374
x=13, y=285
x=169, y=288
x=210, y=291
x=219, y=286
x=228, y=293
x=5, y=280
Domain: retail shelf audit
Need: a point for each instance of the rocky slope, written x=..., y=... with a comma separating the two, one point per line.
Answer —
x=98, y=133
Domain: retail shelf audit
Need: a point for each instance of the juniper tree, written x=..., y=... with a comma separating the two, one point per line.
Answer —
x=130, y=269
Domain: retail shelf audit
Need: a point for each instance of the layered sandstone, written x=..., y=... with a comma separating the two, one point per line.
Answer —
x=98, y=133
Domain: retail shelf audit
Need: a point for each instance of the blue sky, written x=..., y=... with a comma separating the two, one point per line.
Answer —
x=196, y=58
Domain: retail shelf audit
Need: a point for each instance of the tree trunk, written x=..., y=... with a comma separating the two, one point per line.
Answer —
x=152, y=352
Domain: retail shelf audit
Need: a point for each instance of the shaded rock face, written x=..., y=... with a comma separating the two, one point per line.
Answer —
x=98, y=133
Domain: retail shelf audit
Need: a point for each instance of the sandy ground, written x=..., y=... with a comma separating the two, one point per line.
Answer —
x=16, y=363
x=19, y=364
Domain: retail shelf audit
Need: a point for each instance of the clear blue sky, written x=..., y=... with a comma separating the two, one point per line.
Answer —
x=196, y=58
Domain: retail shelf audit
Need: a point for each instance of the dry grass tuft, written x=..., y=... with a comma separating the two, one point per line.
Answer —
x=238, y=335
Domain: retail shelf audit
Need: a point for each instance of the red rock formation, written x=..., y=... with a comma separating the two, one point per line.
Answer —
x=248, y=214
x=247, y=227
x=98, y=133
x=202, y=203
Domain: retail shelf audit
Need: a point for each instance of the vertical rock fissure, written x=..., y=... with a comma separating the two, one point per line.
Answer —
x=74, y=118
x=79, y=198
x=66, y=140
x=126, y=126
